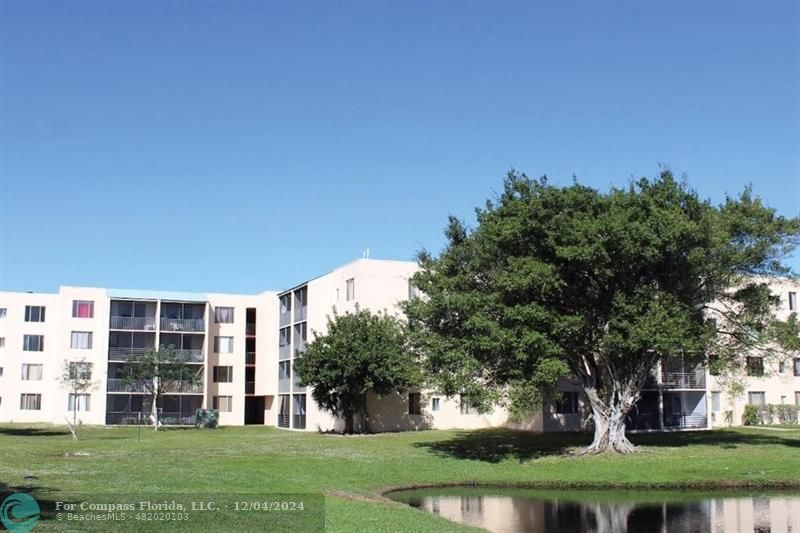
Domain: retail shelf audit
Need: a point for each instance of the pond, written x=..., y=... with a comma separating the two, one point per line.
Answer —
x=541, y=511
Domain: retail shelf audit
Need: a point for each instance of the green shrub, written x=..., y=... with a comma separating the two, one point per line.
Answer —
x=206, y=418
x=750, y=416
x=755, y=415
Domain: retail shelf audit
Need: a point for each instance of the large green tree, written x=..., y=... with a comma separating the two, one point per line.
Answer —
x=601, y=286
x=361, y=352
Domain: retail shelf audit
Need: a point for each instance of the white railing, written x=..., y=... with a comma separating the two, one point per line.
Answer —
x=684, y=380
x=182, y=324
x=147, y=323
x=123, y=354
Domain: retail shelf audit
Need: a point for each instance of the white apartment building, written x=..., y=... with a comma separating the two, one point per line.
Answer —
x=243, y=348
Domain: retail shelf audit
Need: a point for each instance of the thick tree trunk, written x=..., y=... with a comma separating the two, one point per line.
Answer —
x=349, y=424
x=609, y=423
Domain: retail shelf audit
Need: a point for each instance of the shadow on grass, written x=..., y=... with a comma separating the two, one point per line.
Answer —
x=47, y=506
x=33, y=432
x=495, y=445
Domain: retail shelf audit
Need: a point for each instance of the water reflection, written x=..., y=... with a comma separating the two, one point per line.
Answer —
x=517, y=511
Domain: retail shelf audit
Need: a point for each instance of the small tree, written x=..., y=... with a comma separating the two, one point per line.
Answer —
x=77, y=377
x=361, y=352
x=157, y=372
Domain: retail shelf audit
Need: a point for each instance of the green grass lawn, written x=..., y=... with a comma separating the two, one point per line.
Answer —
x=354, y=472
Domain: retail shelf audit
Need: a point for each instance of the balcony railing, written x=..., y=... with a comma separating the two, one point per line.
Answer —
x=250, y=358
x=250, y=329
x=123, y=354
x=684, y=380
x=133, y=322
x=249, y=387
x=285, y=318
x=283, y=420
x=685, y=421
x=190, y=356
x=182, y=324
x=119, y=385
x=127, y=418
x=185, y=387
x=300, y=313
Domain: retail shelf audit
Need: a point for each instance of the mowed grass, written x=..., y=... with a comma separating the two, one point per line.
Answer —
x=353, y=472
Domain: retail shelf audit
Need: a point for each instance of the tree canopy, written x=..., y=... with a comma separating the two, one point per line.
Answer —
x=601, y=286
x=359, y=353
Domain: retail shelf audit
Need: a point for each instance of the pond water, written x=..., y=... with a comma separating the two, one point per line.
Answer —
x=538, y=511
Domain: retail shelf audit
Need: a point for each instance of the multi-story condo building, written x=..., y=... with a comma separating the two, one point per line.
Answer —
x=243, y=347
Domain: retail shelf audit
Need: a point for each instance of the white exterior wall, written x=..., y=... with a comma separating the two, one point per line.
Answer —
x=779, y=387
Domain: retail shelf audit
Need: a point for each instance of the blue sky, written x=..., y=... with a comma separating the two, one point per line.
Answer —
x=244, y=146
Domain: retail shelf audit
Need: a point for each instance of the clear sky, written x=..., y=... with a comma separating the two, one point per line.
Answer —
x=245, y=146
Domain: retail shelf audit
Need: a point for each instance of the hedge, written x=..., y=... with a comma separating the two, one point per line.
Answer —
x=764, y=415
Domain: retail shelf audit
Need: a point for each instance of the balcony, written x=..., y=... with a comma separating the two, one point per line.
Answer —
x=119, y=385
x=285, y=318
x=685, y=421
x=190, y=356
x=183, y=324
x=124, y=354
x=186, y=387
x=284, y=352
x=300, y=313
x=147, y=323
x=250, y=358
x=249, y=387
x=684, y=380
x=250, y=330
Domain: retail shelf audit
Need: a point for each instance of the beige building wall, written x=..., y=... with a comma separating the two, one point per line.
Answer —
x=780, y=382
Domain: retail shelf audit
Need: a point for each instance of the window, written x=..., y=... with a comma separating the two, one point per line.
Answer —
x=2, y=312
x=284, y=370
x=797, y=398
x=567, y=404
x=2, y=342
x=286, y=303
x=223, y=344
x=716, y=401
x=223, y=315
x=80, y=370
x=34, y=313
x=1, y=371
x=82, y=309
x=33, y=343
x=797, y=366
x=78, y=402
x=350, y=289
x=756, y=398
x=466, y=406
x=414, y=403
x=435, y=404
x=223, y=374
x=413, y=291
x=783, y=400
x=31, y=372
x=224, y=404
x=792, y=301
x=30, y=402
x=781, y=367
x=755, y=366
x=81, y=340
